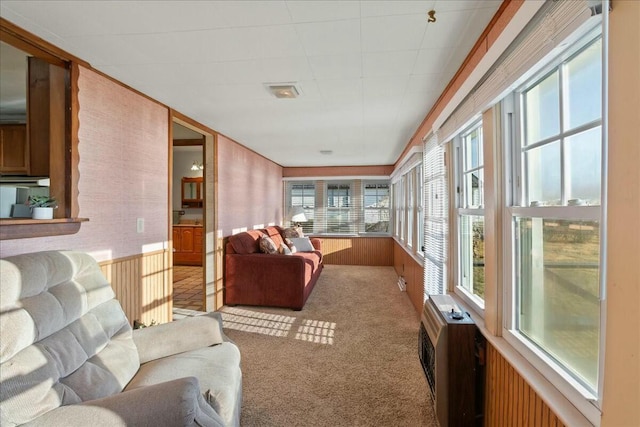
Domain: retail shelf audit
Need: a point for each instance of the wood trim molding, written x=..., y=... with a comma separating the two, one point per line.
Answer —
x=30, y=43
x=24, y=228
x=188, y=142
x=64, y=149
x=506, y=11
x=73, y=152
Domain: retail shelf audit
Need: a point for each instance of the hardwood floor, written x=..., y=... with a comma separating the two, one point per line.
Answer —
x=187, y=287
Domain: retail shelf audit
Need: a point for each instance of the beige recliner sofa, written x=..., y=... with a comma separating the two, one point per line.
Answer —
x=68, y=355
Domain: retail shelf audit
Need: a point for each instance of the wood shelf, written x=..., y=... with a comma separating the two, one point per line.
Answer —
x=24, y=228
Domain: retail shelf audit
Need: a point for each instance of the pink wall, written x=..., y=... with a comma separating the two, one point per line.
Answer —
x=123, y=174
x=249, y=189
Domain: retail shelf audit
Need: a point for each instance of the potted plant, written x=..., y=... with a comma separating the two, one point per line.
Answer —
x=42, y=206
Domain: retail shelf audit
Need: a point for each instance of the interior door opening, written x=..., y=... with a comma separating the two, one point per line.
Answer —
x=188, y=223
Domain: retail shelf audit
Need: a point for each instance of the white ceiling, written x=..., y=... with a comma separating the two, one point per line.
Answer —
x=369, y=71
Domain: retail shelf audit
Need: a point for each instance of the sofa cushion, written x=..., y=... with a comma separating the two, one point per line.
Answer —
x=313, y=259
x=217, y=369
x=275, y=233
x=267, y=245
x=246, y=242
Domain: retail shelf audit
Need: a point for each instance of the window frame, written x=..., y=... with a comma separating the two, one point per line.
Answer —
x=462, y=210
x=587, y=400
x=64, y=162
x=349, y=209
x=289, y=198
x=409, y=206
x=378, y=208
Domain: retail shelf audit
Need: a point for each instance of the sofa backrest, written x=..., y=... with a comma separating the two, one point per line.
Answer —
x=248, y=242
x=64, y=337
x=275, y=233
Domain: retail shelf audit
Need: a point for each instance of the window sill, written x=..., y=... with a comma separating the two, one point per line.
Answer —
x=25, y=228
x=347, y=236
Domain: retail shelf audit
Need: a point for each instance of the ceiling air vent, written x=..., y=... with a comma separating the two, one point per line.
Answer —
x=283, y=90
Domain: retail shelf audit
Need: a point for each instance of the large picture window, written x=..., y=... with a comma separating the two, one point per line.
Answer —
x=555, y=218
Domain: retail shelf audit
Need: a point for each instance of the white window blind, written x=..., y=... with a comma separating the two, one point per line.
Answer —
x=436, y=226
x=543, y=36
x=302, y=194
x=342, y=206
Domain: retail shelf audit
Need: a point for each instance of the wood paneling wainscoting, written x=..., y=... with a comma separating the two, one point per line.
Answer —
x=413, y=273
x=375, y=251
x=143, y=285
x=509, y=400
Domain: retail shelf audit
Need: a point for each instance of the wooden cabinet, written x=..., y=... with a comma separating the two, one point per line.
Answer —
x=192, y=191
x=187, y=245
x=14, y=150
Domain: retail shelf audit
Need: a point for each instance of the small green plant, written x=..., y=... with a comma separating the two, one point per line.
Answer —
x=42, y=202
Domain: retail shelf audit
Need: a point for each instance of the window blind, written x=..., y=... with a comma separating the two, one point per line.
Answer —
x=436, y=226
x=550, y=28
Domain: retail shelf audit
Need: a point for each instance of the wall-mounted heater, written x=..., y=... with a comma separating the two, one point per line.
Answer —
x=450, y=347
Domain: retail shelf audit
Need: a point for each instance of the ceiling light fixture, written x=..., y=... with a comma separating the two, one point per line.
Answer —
x=283, y=90
x=197, y=167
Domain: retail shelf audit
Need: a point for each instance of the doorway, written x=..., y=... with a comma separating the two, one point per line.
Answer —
x=188, y=219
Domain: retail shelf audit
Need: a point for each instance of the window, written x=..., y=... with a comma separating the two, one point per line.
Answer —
x=470, y=213
x=339, y=215
x=555, y=217
x=408, y=205
x=304, y=194
x=420, y=209
x=402, y=199
x=397, y=190
x=376, y=207
x=341, y=207
x=436, y=227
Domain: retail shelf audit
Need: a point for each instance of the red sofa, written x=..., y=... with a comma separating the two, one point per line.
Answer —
x=256, y=278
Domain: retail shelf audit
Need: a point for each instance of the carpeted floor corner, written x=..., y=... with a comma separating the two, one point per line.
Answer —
x=349, y=358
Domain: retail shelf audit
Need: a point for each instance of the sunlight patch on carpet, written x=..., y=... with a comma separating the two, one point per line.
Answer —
x=278, y=325
x=260, y=323
x=316, y=331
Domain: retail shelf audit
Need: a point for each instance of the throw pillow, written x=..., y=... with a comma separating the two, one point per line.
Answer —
x=284, y=249
x=267, y=245
x=291, y=246
x=293, y=232
x=303, y=244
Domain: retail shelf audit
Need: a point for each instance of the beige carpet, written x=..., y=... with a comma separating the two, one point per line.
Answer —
x=349, y=358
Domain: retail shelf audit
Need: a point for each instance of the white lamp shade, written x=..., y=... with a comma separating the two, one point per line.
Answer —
x=297, y=214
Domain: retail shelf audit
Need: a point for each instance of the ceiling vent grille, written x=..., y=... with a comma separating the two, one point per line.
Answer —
x=283, y=90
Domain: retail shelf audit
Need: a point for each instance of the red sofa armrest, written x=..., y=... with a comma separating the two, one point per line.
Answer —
x=317, y=243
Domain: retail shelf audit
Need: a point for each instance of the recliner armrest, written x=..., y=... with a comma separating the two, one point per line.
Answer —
x=176, y=337
x=172, y=403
